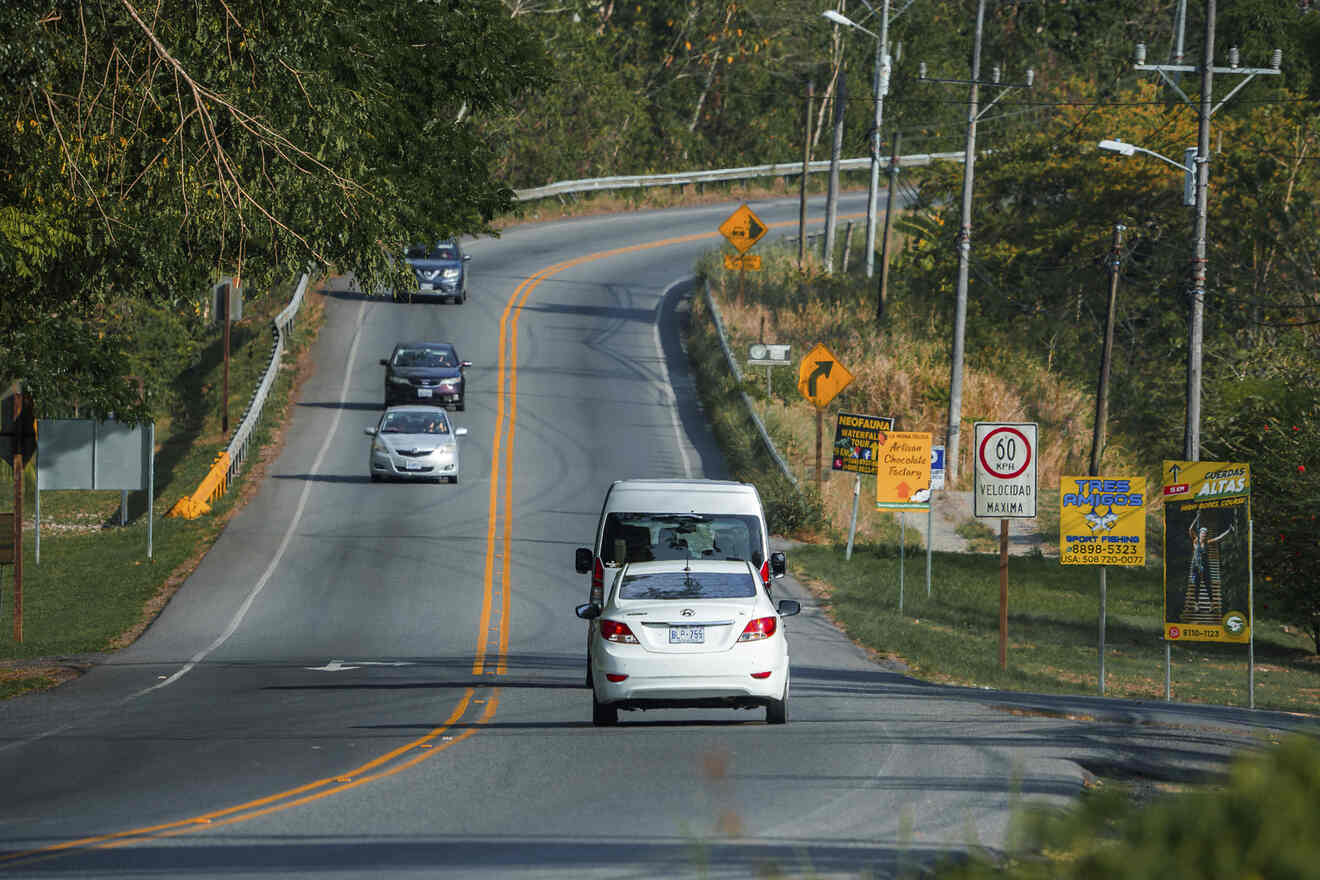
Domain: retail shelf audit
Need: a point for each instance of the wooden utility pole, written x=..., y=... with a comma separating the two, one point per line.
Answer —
x=18, y=516
x=802, y=187
x=1102, y=386
x=889, y=222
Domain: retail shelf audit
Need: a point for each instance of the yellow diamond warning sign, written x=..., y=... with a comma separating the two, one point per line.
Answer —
x=821, y=376
x=743, y=229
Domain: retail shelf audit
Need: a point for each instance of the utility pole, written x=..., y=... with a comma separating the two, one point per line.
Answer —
x=884, y=240
x=880, y=88
x=965, y=234
x=836, y=155
x=802, y=187
x=1102, y=386
x=1205, y=109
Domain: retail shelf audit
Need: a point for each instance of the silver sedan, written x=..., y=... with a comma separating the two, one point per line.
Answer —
x=414, y=442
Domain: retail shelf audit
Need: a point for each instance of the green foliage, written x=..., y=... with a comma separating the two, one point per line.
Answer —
x=1272, y=420
x=143, y=154
x=1260, y=824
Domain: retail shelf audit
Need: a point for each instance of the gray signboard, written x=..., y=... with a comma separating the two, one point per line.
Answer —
x=89, y=454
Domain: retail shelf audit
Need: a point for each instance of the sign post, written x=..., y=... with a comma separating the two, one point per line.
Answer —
x=1102, y=521
x=902, y=483
x=1005, y=487
x=761, y=354
x=743, y=229
x=820, y=378
x=856, y=439
x=936, y=482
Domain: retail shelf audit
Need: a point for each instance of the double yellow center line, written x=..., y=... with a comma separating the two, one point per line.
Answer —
x=489, y=659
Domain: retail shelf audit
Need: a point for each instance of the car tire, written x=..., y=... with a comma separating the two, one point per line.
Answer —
x=375, y=477
x=462, y=297
x=459, y=406
x=603, y=714
x=453, y=481
x=776, y=711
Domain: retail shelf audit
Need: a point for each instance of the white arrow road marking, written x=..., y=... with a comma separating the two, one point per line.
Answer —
x=340, y=666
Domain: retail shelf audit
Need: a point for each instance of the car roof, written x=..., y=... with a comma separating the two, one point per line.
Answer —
x=417, y=407
x=448, y=345
x=694, y=565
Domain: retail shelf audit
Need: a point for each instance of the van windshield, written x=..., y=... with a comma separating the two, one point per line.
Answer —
x=645, y=537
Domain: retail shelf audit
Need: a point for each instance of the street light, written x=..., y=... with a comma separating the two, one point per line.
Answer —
x=1187, y=165
x=880, y=87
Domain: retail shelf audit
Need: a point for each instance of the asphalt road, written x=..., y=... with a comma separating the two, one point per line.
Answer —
x=372, y=681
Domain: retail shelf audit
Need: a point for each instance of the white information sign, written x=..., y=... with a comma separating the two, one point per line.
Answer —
x=1005, y=470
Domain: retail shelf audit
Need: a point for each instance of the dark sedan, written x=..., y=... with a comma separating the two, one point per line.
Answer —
x=424, y=372
x=439, y=270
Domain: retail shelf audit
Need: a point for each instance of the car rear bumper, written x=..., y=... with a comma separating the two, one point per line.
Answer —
x=667, y=680
x=398, y=394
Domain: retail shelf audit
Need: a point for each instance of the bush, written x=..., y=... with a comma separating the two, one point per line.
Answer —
x=1261, y=824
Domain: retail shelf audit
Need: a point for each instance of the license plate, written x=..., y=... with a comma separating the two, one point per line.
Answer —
x=413, y=466
x=427, y=285
x=423, y=392
x=687, y=635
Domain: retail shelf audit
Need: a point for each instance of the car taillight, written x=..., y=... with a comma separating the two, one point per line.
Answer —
x=765, y=573
x=761, y=628
x=598, y=583
x=616, y=676
x=761, y=675
x=613, y=631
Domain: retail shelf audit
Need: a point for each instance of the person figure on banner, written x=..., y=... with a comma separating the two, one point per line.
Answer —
x=1200, y=579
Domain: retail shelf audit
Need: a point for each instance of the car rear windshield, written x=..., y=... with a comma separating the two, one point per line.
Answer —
x=439, y=252
x=688, y=585
x=643, y=537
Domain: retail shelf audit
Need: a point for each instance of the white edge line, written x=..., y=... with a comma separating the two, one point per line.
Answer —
x=669, y=384
x=243, y=609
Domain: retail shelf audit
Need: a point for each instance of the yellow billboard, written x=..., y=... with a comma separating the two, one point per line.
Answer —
x=902, y=476
x=1102, y=520
x=1207, y=554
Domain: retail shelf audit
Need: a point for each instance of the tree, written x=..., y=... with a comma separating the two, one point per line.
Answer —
x=150, y=150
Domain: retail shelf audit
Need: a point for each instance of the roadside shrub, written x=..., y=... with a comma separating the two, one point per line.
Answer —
x=1261, y=824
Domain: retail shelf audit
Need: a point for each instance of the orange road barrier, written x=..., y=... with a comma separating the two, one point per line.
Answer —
x=213, y=485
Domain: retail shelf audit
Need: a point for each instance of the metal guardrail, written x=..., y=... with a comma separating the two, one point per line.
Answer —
x=781, y=169
x=228, y=463
x=747, y=401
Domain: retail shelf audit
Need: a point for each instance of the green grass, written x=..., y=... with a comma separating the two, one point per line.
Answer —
x=1053, y=624
x=95, y=588
x=953, y=636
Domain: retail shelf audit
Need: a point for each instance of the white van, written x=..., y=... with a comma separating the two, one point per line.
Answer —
x=645, y=520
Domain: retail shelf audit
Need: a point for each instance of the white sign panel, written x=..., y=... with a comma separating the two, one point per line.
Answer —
x=936, y=467
x=1005, y=456
x=764, y=354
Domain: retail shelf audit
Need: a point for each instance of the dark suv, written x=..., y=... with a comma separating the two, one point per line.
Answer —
x=424, y=372
x=439, y=270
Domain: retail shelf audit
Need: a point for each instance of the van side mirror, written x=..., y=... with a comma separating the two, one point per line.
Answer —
x=582, y=560
x=778, y=564
x=467, y=257
x=384, y=362
x=460, y=432
x=591, y=611
x=789, y=607
x=370, y=432
x=465, y=364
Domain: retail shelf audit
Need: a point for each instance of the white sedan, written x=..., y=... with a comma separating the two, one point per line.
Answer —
x=694, y=633
x=414, y=442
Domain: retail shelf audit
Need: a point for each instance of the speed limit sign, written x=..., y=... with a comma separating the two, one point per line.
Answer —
x=1005, y=470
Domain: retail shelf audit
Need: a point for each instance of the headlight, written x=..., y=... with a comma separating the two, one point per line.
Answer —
x=399, y=380
x=447, y=384
x=378, y=448
x=450, y=274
